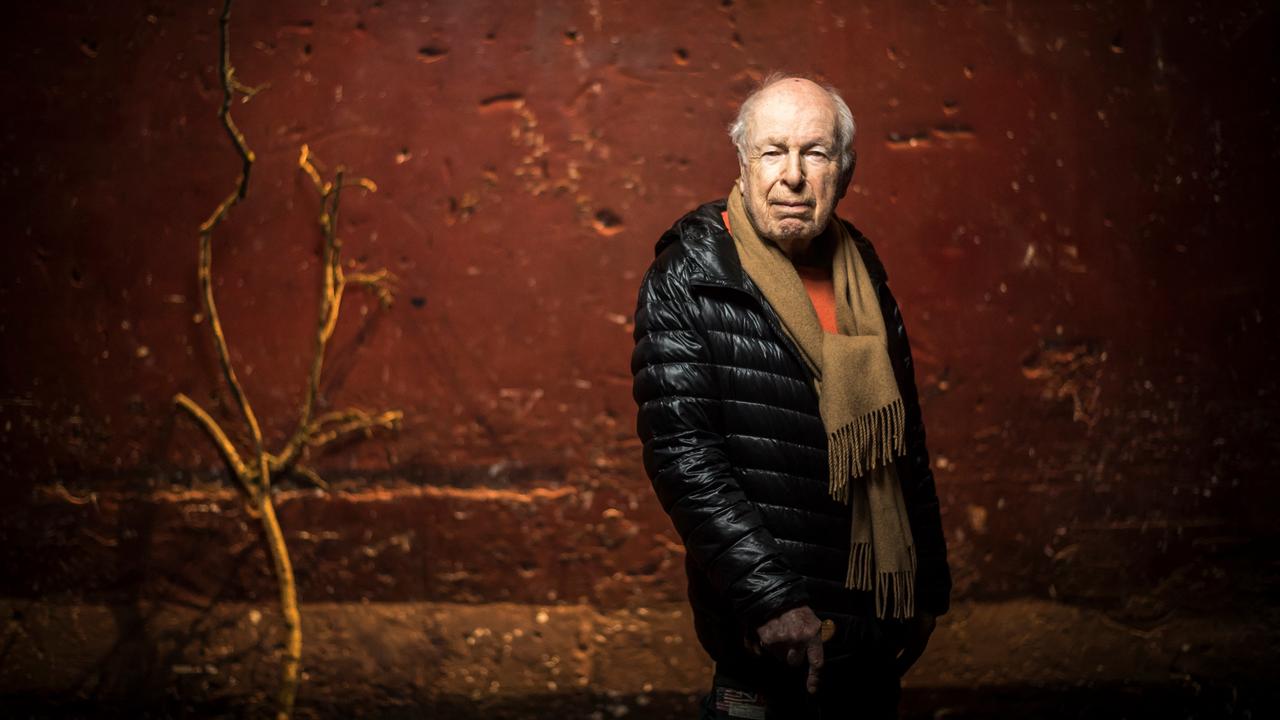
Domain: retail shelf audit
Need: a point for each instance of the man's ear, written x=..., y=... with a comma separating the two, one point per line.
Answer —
x=847, y=175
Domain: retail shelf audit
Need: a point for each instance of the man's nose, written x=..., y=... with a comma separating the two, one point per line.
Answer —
x=793, y=174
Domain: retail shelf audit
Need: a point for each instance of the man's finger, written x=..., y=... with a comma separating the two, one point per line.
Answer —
x=815, y=664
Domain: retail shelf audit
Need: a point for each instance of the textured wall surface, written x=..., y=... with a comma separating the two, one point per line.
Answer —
x=1072, y=201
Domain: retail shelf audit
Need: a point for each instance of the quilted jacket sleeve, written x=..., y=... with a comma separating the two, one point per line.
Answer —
x=675, y=388
x=933, y=574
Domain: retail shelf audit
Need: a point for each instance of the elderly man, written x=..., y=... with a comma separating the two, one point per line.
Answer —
x=782, y=431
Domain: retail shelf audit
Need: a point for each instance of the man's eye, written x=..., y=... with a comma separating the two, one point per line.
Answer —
x=817, y=154
x=771, y=153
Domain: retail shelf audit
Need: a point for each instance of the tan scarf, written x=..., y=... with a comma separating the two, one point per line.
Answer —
x=858, y=399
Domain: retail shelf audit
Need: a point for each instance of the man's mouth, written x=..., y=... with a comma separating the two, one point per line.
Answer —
x=792, y=208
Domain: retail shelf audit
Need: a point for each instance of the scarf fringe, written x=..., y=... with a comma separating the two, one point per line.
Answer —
x=858, y=576
x=860, y=446
x=900, y=586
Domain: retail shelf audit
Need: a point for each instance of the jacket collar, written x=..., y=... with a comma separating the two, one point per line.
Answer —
x=710, y=247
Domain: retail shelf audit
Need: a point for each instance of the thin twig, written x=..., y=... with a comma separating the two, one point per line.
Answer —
x=389, y=420
x=311, y=475
x=219, y=438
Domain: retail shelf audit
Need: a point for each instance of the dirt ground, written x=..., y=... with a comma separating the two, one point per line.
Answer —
x=506, y=660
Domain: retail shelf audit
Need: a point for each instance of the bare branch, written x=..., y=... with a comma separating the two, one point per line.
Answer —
x=330, y=299
x=363, y=182
x=255, y=478
x=289, y=608
x=311, y=475
x=246, y=90
x=357, y=421
x=257, y=485
x=206, y=253
x=219, y=438
x=380, y=283
x=304, y=162
x=224, y=360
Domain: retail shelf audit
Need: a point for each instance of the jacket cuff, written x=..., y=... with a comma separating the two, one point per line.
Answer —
x=787, y=597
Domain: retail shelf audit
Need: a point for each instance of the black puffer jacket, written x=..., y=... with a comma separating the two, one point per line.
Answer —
x=735, y=449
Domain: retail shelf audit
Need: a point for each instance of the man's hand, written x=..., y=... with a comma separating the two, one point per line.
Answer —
x=795, y=636
x=919, y=628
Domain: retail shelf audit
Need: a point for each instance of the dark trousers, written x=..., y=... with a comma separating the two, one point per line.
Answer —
x=851, y=687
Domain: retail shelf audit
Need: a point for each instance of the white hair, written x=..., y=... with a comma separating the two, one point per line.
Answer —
x=845, y=126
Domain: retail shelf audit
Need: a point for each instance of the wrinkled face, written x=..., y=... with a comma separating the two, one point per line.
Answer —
x=790, y=177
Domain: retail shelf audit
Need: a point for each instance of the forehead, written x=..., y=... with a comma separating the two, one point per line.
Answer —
x=794, y=117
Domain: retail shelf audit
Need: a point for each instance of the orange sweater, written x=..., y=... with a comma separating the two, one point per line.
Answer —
x=817, y=282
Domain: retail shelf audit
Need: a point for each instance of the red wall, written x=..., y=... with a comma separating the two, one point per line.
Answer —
x=1071, y=200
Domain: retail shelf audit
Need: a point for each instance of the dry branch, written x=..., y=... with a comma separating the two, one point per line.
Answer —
x=254, y=478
